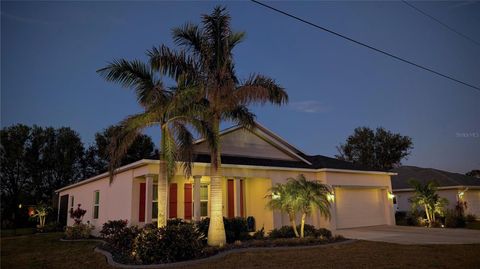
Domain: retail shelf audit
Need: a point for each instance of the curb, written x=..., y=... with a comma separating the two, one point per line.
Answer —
x=111, y=262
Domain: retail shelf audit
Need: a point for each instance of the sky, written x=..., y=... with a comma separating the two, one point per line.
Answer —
x=51, y=50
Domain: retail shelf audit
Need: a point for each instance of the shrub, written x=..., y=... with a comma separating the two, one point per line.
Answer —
x=323, y=232
x=259, y=235
x=235, y=229
x=169, y=244
x=176, y=221
x=52, y=227
x=112, y=227
x=453, y=219
x=77, y=214
x=282, y=232
x=470, y=218
x=203, y=225
x=78, y=231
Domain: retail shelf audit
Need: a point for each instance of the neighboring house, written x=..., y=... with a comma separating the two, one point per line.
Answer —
x=455, y=187
x=252, y=161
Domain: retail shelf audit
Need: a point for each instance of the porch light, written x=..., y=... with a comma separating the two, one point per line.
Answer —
x=275, y=196
x=462, y=193
x=391, y=195
x=331, y=197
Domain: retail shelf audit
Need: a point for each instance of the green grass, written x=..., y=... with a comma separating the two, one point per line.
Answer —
x=20, y=231
x=46, y=251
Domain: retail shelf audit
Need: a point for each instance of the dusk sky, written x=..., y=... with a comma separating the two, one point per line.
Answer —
x=51, y=50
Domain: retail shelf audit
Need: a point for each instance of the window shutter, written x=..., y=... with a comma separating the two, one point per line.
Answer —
x=231, y=199
x=188, y=200
x=242, y=212
x=141, y=204
x=172, y=211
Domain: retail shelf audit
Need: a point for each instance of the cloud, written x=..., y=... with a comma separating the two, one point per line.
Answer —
x=310, y=106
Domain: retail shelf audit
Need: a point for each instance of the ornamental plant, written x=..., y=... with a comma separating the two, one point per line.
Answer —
x=77, y=214
x=40, y=213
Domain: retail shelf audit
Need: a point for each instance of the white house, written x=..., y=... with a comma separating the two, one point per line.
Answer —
x=252, y=161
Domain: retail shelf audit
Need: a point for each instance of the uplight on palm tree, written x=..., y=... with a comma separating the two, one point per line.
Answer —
x=171, y=110
x=206, y=62
x=282, y=198
x=426, y=196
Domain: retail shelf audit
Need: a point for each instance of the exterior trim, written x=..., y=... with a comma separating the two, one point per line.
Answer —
x=441, y=188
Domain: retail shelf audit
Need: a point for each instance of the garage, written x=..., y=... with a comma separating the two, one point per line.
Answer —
x=359, y=207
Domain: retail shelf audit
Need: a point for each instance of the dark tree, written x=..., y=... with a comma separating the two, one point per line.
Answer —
x=97, y=157
x=473, y=173
x=379, y=149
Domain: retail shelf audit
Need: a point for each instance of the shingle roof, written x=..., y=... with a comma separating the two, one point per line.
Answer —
x=425, y=175
x=318, y=162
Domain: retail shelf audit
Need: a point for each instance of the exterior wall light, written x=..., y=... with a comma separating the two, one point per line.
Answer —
x=391, y=195
x=275, y=196
x=331, y=197
x=462, y=193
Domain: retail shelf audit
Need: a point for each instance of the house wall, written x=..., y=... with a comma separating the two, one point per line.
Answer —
x=115, y=199
x=472, y=197
x=403, y=204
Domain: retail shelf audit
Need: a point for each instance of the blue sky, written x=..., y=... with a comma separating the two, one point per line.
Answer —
x=51, y=50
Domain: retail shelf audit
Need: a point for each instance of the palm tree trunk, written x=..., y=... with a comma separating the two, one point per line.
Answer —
x=428, y=215
x=216, y=229
x=302, y=226
x=291, y=216
x=162, y=187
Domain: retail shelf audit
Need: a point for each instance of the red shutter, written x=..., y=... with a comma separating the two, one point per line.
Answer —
x=141, y=204
x=241, y=198
x=188, y=200
x=172, y=212
x=231, y=199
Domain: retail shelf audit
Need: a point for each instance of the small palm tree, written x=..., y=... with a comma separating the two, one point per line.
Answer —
x=172, y=110
x=282, y=198
x=426, y=196
x=206, y=61
x=309, y=195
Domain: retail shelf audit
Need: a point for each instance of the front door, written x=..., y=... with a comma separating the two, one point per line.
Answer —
x=63, y=211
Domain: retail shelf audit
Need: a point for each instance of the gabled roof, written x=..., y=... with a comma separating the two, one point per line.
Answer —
x=425, y=175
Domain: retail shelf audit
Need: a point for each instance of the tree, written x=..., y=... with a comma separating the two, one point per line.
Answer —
x=473, y=173
x=309, y=195
x=282, y=198
x=380, y=149
x=97, y=156
x=426, y=196
x=206, y=62
x=172, y=110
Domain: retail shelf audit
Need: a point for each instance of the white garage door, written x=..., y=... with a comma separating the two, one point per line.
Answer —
x=473, y=202
x=360, y=207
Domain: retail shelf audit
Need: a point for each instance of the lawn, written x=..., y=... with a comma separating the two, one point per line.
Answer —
x=46, y=251
x=473, y=225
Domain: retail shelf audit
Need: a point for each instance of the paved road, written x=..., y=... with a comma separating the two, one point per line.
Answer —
x=413, y=235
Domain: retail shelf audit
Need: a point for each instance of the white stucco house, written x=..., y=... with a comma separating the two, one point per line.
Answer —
x=253, y=160
x=453, y=186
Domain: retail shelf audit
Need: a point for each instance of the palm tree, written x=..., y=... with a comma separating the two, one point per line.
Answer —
x=171, y=110
x=282, y=198
x=206, y=61
x=309, y=195
x=426, y=196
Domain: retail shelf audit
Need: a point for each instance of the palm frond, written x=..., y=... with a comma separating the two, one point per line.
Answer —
x=241, y=115
x=261, y=89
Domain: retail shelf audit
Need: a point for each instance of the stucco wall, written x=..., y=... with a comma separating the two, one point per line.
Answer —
x=404, y=205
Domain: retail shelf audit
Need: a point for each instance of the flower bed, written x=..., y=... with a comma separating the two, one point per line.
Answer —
x=182, y=241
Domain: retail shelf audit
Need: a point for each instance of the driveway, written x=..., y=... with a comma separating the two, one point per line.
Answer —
x=412, y=235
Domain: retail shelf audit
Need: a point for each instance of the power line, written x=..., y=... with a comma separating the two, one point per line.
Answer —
x=441, y=23
x=367, y=46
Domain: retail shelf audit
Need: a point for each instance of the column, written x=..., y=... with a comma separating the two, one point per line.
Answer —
x=196, y=197
x=236, y=189
x=148, y=198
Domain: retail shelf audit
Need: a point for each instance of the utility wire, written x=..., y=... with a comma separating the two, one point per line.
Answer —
x=441, y=23
x=367, y=46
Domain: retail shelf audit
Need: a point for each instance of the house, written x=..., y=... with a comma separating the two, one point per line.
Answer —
x=253, y=160
x=455, y=187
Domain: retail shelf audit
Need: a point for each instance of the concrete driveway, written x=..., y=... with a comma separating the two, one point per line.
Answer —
x=412, y=235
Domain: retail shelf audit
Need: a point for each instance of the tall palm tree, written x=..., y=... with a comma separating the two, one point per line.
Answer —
x=172, y=110
x=425, y=195
x=309, y=195
x=206, y=61
x=282, y=198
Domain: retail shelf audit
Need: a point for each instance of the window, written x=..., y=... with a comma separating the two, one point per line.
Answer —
x=203, y=200
x=96, y=204
x=72, y=202
x=155, y=201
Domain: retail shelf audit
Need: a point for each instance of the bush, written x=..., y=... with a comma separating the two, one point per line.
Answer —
x=323, y=232
x=51, y=227
x=259, y=235
x=235, y=229
x=282, y=232
x=177, y=221
x=112, y=227
x=203, y=225
x=453, y=219
x=169, y=244
x=470, y=218
x=78, y=231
